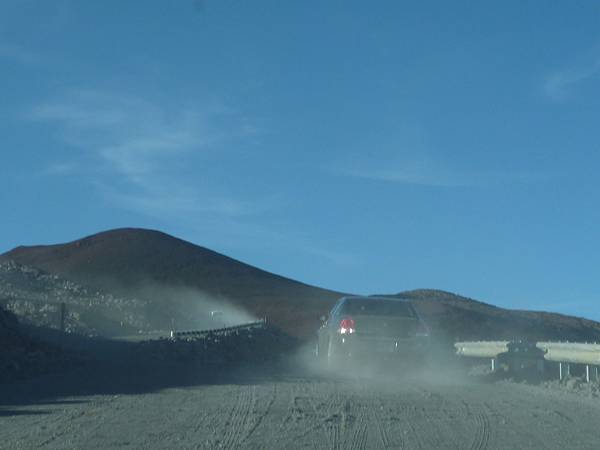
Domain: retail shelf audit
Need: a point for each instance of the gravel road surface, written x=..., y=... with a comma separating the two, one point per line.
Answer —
x=189, y=407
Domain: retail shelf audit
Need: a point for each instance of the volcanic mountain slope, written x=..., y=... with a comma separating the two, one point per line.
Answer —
x=181, y=281
x=462, y=318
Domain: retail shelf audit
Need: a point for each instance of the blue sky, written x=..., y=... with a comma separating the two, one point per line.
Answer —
x=362, y=146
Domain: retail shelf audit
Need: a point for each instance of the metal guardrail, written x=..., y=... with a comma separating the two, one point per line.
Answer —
x=198, y=333
x=563, y=353
x=567, y=352
x=571, y=352
x=481, y=349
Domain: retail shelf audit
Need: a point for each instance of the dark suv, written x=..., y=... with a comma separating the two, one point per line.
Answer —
x=358, y=327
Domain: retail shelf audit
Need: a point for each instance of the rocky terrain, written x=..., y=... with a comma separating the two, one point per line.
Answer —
x=35, y=297
x=8, y=323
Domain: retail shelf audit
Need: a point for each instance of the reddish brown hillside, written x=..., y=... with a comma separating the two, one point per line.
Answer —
x=139, y=262
x=461, y=318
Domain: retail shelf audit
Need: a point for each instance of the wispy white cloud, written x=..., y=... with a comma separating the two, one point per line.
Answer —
x=560, y=84
x=414, y=171
x=138, y=144
x=425, y=171
x=171, y=199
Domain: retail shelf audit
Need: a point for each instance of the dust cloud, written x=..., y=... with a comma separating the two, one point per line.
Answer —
x=173, y=307
x=438, y=366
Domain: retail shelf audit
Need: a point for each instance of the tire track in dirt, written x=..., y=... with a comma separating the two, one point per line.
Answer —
x=66, y=426
x=382, y=433
x=238, y=417
x=482, y=434
x=349, y=422
x=258, y=416
x=303, y=414
x=330, y=422
x=412, y=417
x=424, y=425
x=518, y=424
x=432, y=417
x=52, y=438
x=254, y=412
x=358, y=437
x=355, y=421
x=419, y=442
x=338, y=421
x=482, y=426
x=322, y=410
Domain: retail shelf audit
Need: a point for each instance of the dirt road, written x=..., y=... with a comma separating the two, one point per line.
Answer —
x=176, y=407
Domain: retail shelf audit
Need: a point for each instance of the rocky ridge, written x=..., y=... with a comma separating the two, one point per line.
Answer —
x=35, y=297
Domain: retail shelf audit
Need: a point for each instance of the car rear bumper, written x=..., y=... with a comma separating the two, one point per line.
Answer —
x=361, y=346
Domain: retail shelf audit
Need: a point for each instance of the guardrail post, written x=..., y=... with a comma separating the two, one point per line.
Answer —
x=587, y=373
x=560, y=371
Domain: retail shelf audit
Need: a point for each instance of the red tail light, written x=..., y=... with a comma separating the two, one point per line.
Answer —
x=347, y=326
x=422, y=329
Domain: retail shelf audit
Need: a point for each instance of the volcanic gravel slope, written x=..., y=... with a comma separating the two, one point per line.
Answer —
x=35, y=297
x=291, y=411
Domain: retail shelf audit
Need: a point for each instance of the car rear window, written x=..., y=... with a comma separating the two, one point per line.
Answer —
x=377, y=308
